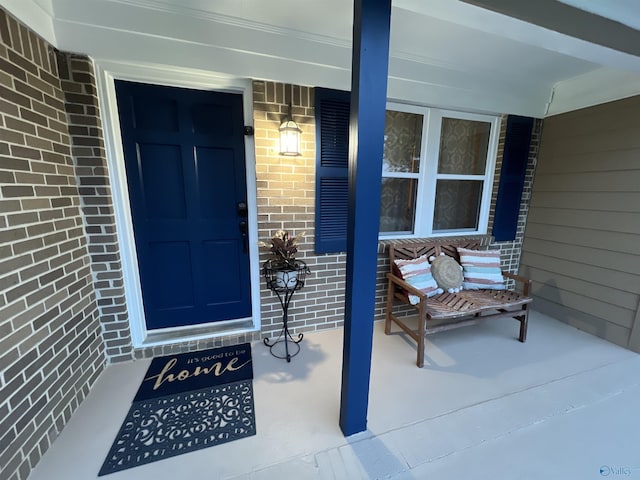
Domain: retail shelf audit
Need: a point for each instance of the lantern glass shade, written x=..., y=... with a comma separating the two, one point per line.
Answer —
x=290, y=138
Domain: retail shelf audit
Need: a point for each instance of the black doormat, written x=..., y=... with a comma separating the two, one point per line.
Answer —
x=186, y=402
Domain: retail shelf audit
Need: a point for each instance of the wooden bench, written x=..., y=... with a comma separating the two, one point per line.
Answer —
x=451, y=310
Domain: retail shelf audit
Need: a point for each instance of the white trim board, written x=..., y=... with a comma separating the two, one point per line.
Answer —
x=107, y=72
x=594, y=88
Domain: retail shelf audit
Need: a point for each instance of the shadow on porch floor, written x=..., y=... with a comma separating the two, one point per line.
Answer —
x=563, y=405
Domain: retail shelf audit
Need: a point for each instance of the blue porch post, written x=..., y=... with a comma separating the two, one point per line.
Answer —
x=371, y=25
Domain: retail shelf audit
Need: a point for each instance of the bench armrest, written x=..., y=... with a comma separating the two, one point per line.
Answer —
x=526, y=283
x=405, y=286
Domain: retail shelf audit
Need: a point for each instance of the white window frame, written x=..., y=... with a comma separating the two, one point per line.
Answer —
x=428, y=171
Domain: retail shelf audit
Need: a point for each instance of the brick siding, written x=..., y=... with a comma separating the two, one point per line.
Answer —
x=51, y=350
x=87, y=148
x=286, y=201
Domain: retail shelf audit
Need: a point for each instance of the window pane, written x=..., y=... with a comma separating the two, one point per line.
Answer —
x=397, y=205
x=402, y=139
x=457, y=204
x=463, y=146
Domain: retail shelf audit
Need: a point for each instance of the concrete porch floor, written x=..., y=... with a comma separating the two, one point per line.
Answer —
x=565, y=405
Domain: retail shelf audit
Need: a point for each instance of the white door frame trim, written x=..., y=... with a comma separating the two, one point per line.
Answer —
x=107, y=72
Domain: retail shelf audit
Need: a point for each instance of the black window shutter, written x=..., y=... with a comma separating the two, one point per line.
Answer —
x=332, y=108
x=514, y=168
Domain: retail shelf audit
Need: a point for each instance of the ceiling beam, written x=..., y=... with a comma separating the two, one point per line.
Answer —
x=568, y=20
x=489, y=21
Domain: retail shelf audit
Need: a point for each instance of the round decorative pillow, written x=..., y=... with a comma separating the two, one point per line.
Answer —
x=447, y=273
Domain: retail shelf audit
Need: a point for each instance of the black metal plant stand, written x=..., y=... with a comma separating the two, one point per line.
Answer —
x=284, y=281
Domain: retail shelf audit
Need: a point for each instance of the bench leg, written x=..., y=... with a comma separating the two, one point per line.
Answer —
x=524, y=323
x=420, y=359
x=422, y=325
x=387, y=322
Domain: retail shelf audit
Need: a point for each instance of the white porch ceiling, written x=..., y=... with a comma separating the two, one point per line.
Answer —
x=444, y=53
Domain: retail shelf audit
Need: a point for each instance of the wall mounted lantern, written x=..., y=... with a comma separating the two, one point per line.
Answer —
x=289, y=137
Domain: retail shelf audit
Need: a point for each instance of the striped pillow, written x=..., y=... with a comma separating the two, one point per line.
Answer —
x=417, y=273
x=481, y=269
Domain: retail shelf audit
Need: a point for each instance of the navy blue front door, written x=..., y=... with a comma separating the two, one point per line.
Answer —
x=185, y=163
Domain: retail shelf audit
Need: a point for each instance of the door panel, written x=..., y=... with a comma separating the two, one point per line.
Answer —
x=162, y=181
x=171, y=260
x=219, y=256
x=211, y=165
x=184, y=157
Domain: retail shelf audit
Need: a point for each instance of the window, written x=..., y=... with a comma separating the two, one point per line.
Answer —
x=437, y=172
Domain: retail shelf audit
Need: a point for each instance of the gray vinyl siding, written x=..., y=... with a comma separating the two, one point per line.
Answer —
x=582, y=241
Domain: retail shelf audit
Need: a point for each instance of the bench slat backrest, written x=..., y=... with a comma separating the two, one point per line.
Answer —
x=410, y=250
